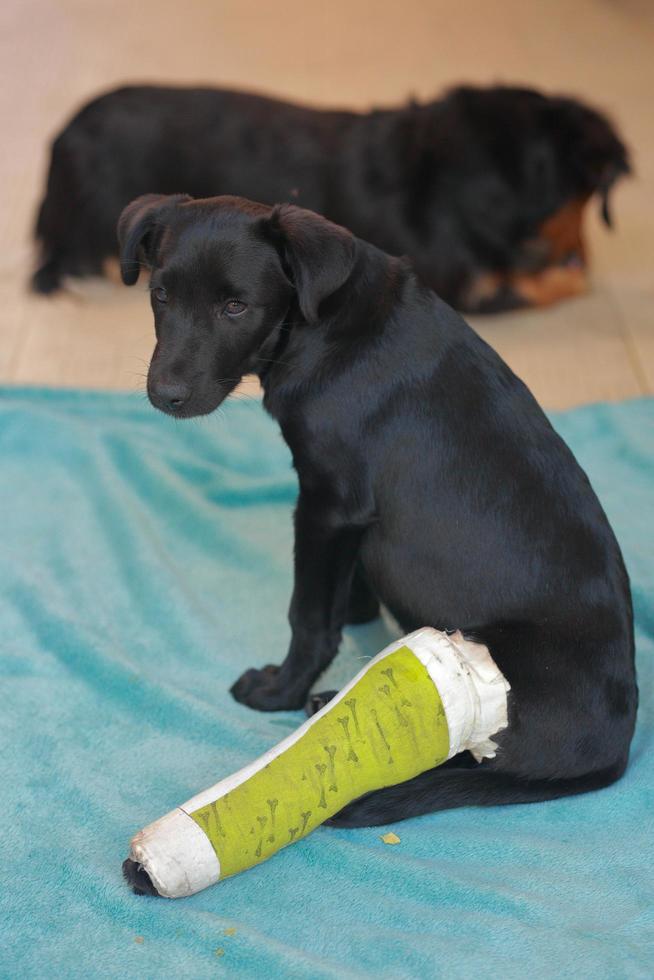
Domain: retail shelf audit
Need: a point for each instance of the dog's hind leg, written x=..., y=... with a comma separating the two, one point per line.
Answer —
x=47, y=278
x=70, y=238
x=55, y=221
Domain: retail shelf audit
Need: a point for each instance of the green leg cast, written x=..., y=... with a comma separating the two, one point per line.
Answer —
x=423, y=699
x=389, y=727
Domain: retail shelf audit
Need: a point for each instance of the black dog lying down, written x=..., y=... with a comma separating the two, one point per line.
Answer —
x=483, y=189
x=430, y=480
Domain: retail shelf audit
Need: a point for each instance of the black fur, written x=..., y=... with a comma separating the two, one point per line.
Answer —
x=137, y=877
x=429, y=479
x=461, y=184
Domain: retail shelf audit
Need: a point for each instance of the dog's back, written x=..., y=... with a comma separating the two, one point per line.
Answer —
x=463, y=185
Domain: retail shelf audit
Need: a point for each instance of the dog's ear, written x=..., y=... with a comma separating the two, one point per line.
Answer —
x=138, y=228
x=318, y=254
x=595, y=155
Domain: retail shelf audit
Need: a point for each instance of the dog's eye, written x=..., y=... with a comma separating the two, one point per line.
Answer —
x=160, y=294
x=234, y=307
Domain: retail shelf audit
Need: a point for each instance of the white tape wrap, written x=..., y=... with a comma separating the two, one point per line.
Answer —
x=472, y=688
x=178, y=856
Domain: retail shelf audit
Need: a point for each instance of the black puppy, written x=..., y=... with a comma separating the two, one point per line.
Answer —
x=484, y=189
x=430, y=480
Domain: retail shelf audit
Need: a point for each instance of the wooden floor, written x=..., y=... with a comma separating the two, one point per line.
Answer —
x=56, y=54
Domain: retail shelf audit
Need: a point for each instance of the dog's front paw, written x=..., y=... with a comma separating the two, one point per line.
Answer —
x=264, y=690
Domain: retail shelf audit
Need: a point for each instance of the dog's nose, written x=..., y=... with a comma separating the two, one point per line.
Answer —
x=171, y=395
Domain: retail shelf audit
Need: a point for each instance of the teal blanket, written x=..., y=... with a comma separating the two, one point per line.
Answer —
x=144, y=563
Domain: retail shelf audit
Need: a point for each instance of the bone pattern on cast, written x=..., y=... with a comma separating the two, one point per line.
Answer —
x=395, y=728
